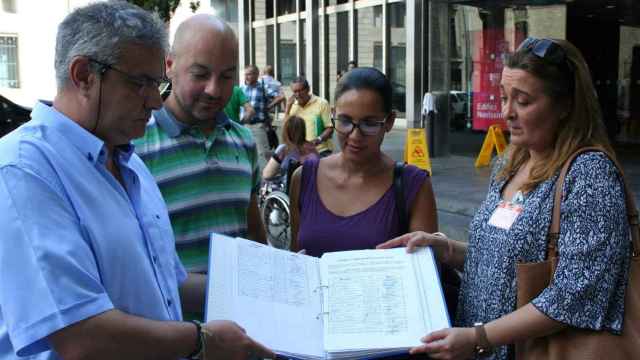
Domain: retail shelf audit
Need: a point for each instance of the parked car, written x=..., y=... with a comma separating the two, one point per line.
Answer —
x=12, y=115
x=459, y=105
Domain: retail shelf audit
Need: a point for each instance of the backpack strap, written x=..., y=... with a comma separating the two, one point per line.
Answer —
x=398, y=189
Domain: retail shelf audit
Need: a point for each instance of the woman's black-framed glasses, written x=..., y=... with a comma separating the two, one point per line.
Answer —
x=546, y=49
x=141, y=83
x=369, y=127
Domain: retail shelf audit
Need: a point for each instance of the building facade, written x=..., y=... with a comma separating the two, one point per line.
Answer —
x=27, y=45
x=450, y=48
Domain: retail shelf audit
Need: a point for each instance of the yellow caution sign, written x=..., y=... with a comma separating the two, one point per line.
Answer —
x=494, y=139
x=416, y=150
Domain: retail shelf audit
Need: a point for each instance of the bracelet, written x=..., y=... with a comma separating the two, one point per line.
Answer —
x=449, y=253
x=197, y=353
x=319, y=138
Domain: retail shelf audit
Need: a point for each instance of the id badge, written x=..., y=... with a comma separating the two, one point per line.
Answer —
x=505, y=215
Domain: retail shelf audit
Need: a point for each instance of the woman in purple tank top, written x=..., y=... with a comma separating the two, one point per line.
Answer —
x=347, y=201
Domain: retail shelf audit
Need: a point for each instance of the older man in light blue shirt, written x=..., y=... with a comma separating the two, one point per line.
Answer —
x=80, y=242
x=88, y=268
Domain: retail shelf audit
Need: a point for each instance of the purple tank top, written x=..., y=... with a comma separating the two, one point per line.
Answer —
x=322, y=231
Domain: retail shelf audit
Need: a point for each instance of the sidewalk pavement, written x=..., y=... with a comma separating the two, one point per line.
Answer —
x=460, y=187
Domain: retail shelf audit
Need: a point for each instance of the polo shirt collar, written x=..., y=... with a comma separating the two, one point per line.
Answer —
x=312, y=99
x=168, y=122
x=174, y=128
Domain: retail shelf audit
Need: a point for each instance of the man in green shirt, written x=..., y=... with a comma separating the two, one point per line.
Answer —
x=238, y=100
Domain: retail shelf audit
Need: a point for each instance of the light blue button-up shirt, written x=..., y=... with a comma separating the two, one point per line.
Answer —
x=73, y=241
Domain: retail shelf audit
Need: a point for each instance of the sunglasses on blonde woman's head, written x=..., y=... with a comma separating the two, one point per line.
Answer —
x=368, y=127
x=546, y=49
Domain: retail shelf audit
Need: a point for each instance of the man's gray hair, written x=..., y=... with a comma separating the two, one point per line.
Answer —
x=101, y=30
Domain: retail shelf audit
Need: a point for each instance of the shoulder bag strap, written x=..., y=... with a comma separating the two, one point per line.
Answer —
x=398, y=189
x=264, y=100
x=632, y=210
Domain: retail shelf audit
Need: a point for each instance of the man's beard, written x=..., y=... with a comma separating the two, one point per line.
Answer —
x=194, y=118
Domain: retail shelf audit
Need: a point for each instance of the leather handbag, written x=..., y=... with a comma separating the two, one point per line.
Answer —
x=570, y=342
x=270, y=130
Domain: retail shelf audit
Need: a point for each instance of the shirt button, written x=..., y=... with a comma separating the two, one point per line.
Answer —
x=169, y=302
x=155, y=259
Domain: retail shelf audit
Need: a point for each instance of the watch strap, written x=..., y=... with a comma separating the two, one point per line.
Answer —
x=483, y=346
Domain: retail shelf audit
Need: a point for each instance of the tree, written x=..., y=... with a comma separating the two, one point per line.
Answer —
x=164, y=8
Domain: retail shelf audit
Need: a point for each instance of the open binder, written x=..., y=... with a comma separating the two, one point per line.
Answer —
x=344, y=305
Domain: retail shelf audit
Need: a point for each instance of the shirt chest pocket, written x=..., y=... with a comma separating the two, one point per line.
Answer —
x=160, y=241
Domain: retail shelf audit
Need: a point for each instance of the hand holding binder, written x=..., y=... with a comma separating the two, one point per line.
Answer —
x=344, y=305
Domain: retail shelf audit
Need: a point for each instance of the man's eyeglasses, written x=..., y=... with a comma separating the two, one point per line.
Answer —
x=546, y=49
x=345, y=126
x=142, y=83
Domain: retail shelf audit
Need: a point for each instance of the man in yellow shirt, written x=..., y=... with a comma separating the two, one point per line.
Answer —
x=316, y=113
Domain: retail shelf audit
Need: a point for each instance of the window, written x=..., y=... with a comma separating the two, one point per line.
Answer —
x=397, y=57
x=287, y=59
x=303, y=49
x=377, y=16
x=9, y=61
x=9, y=6
x=286, y=7
x=262, y=9
x=369, y=37
x=338, y=44
x=377, y=56
x=264, y=46
x=397, y=14
x=226, y=9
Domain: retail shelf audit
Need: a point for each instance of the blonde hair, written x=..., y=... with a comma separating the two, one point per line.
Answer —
x=570, y=86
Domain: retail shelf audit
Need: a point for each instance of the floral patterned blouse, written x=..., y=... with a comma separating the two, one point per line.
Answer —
x=590, y=280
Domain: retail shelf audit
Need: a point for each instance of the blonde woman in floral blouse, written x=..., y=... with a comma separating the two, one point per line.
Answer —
x=551, y=109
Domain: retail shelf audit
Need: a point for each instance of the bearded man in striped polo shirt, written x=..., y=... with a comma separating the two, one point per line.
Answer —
x=205, y=164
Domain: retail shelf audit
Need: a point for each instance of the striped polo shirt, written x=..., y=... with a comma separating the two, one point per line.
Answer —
x=206, y=181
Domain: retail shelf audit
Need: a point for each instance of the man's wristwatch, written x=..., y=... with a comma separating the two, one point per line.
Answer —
x=483, y=346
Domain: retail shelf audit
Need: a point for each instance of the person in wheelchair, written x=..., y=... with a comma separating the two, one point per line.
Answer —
x=274, y=199
x=293, y=152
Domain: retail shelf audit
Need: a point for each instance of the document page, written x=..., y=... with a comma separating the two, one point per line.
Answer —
x=372, y=300
x=433, y=307
x=273, y=294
